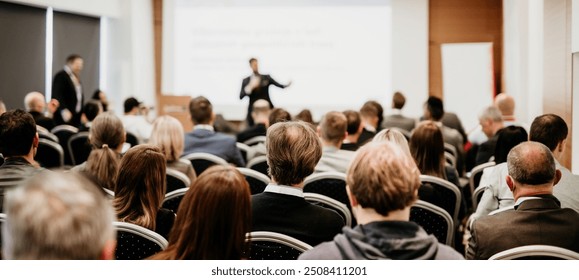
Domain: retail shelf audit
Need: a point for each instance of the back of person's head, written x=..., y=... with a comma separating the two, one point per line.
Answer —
x=130, y=104
x=548, y=129
x=393, y=136
x=354, y=121
x=106, y=136
x=491, y=113
x=92, y=109
x=168, y=135
x=279, y=115
x=508, y=138
x=17, y=133
x=383, y=177
x=435, y=108
x=140, y=186
x=427, y=149
x=2, y=107
x=100, y=96
x=34, y=102
x=531, y=163
x=213, y=218
x=71, y=58
x=293, y=150
x=398, y=100
x=260, y=110
x=304, y=115
x=58, y=216
x=372, y=109
x=201, y=110
x=333, y=127
x=505, y=103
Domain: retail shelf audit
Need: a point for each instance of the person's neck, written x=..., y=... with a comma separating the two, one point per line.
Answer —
x=29, y=157
x=369, y=215
x=535, y=190
x=326, y=143
x=352, y=138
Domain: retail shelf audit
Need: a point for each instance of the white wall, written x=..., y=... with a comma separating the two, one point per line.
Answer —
x=575, y=85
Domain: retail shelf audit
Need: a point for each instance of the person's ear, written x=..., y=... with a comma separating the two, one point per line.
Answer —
x=351, y=198
x=510, y=183
x=35, y=140
x=108, y=251
x=319, y=131
x=557, y=177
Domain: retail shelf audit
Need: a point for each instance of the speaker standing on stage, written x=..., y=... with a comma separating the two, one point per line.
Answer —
x=256, y=87
x=67, y=89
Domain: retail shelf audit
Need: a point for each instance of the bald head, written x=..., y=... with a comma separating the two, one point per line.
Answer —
x=531, y=163
x=505, y=103
x=260, y=111
x=34, y=102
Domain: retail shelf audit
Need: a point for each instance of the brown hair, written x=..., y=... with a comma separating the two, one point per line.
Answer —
x=398, y=100
x=293, y=150
x=279, y=115
x=373, y=109
x=169, y=136
x=333, y=127
x=427, y=148
x=107, y=134
x=201, y=110
x=354, y=121
x=141, y=186
x=213, y=218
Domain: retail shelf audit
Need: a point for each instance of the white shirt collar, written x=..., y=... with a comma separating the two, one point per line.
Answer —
x=370, y=128
x=204, y=126
x=525, y=198
x=287, y=190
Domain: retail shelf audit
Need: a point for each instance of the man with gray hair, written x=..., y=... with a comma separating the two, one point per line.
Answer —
x=58, y=216
x=537, y=218
x=491, y=123
x=36, y=105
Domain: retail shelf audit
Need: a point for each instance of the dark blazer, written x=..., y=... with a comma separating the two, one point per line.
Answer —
x=294, y=216
x=252, y=131
x=486, y=150
x=399, y=121
x=43, y=121
x=64, y=91
x=365, y=137
x=533, y=222
x=219, y=144
x=261, y=92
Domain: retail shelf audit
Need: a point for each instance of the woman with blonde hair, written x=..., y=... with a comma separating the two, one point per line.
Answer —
x=169, y=136
x=393, y=136
x=213, y=218
x=140, y=189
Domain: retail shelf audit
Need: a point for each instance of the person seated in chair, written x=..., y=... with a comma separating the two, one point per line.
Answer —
x=42, y=112
x=332, y=132
x=260, y=115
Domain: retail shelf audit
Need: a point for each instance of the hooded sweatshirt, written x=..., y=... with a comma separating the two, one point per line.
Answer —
x=396, y=240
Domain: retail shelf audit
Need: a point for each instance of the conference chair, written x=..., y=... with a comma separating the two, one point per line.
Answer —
x=254, y=140
x=477, y=195
x=132, y=139
x=136, y=243
x=536, y=252
x=451, y=149
x=330, y=203
x=257, y=181
x=331, y=184
x=476, y=174
x=434, y=220
x=176, y=180
x=202, y=161
x=64, y=132
x=259, y=164
x=79, y=147
x=441, y=193
x=45, y=134
x=450, y=159
x=2, y=221
x=49, y=154
x=109, y=194
x=1, y=159
x=173, y=199
x=267, y=245
x=246, y=151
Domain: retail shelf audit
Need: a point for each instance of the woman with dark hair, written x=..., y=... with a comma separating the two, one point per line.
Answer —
x=497, y=194
x=99, y=95
x=213, y=218
x=140, y=189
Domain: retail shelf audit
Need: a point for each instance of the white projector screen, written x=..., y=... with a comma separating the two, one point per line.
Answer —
x=336, y=53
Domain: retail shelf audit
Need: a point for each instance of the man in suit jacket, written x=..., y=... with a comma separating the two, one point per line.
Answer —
x=67, y=89
x=260, y=116
x=293, y=150
x=491, y=122
x=256, y=87
x=35, y=104
x=537, y=218
x=372, y=115
x=397, y=119
x=204, y=139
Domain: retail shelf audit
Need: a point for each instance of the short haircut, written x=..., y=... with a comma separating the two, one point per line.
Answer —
x=293, y=150
x=354, y=121
x=57, y=216
x=169, y=136
x=201, y=110
x=17, y=132
x=304, y=115
x=261, y=106
x=333, y=127
x=373, y=109
x=398, y=100
x=508, y=138
x=491, y=113
x=130, y=104
x=531, y=163
x=279, y=115
x=548, y=129
x=505, y=103
x=71, y=58
x=91, y=109
x=31, y=100
x=384, y=178
x=252, y=60
x=435, y=106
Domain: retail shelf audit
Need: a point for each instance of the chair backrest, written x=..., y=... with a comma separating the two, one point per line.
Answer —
x=267, y=245
x=450, y=159
x=49, y=154
x=441, y=193
x=44, y=134
x=64, y=132
x=536, y=252
x=476, y=174
x=176, y=180
x=331, y=184
x=477, y=195
x=202, y=161
x=451, y=149
x=257, y=181
x=79, y=147
x=2, y=221
x=173, y=199
x=136, y=243
x=1, y=159
x=259, y=164
x=330, y=203
x=254, y=140
x=110, y=194
x=246, y=151
x=434, y=220
x=132, y=139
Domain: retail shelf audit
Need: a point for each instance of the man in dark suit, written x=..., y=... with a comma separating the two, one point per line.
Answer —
x=372, y=115
x=67, y=89
x=204, y=139
x=293, y=150
x=491, y=122
x=397, y=119
x=256, y=87
x=260, y=116
x=537, y=217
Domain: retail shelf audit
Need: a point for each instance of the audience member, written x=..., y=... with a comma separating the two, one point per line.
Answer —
x=305, y=115
x=393, y=136
x=279, y=115
x=106, y=136
x=89, y=112
x=537, y=219
x=169, y=136
x=372, y=115
x=491, y=122
x=18, y=145
x=135, y=119
x=354, y=130
x=58, y=216
x=332, y=132
x=213, y=218
x=140, y=190
x=42, y=113
x=260, y=116
x=396, y=119
x=100, y=96
x=293, y=150
x=382, y=185
x=204, y=139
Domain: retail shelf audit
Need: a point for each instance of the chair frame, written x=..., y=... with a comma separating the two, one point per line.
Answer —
x=255, y=174
x=70, y=150
x=448, y=185
x=249, y=152
x=205, y=156
x=325, y=175
x=179, y=175
x=142, y=232
x=45, y=134
x=174, y=194
x=450, y=159
x=536, y=250
x=475, y=194
x=475, y=170
x=336, y=205
x=451, y=149
x=255, y=140
x=439, y=211
x=256, y=160
x=110, y=194
x=63, y=127
x=56, y=146
x=279, y=238
x=3, y=217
